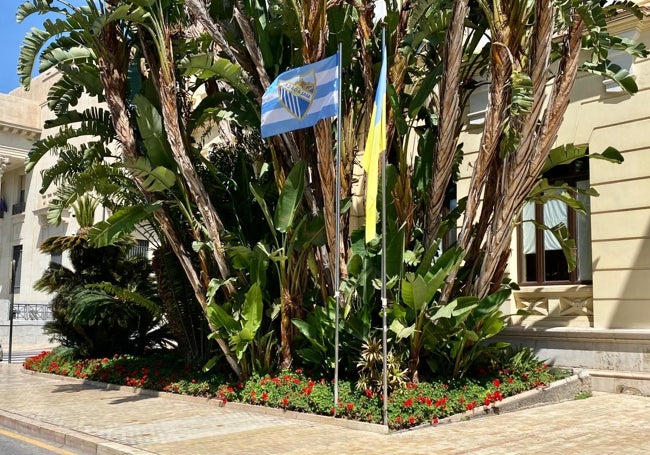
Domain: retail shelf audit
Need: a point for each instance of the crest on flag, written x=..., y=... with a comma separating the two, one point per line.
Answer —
x=300, y=97
x=297, y=94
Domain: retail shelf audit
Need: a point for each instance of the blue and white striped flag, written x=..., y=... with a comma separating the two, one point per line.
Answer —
x=300, y=97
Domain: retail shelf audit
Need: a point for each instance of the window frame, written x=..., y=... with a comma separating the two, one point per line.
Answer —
x=571, y=173
x=17, y=256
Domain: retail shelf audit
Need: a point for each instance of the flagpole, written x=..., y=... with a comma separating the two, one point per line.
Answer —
x=384, y=300
x=337, y=236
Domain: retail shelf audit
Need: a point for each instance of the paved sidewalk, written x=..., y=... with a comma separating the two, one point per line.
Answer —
x=104, y=421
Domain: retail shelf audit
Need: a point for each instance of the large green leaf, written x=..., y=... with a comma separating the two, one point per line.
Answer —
x=151, y=129
x=207, y=66
x=221, y=319
x=417, y=292
x=565, y=154
x=290, y=197
x=154, y=179
x=400, y=330
x=121, y=223
x=311, y=331
x=55, y=56
x=252, y=310
x=259, y=197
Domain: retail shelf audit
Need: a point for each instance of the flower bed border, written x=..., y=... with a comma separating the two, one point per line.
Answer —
x=556, y=392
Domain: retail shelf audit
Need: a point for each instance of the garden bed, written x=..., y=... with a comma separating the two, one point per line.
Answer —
x=296, y=394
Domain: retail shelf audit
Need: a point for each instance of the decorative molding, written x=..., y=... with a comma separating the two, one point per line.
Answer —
x=576, y=306
x=17, y=130
x=534, y=305
x=554, y=306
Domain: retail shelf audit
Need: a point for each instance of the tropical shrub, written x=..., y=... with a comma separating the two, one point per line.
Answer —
x=106, y=302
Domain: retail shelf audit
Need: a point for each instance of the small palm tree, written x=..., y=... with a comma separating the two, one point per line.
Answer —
x=106, y=303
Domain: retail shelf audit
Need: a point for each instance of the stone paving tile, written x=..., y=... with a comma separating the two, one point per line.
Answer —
x=603, y=424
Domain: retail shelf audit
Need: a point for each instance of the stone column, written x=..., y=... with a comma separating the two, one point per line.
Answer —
x=4, y=162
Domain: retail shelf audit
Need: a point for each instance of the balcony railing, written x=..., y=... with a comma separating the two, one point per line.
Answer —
x=33, y=311
x=17, y=208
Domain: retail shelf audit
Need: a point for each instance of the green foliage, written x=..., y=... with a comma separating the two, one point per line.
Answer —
x=459, y=340
x=105, y=304
x=315, y=348
x=371, y=366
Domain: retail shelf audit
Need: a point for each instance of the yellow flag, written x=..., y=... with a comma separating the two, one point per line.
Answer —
x=375, y=145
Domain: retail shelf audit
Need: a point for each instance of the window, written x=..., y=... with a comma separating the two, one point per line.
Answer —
x=17, y=262
x=56, y=257
x=542, y=260
x=19, y=207
x=141, y=249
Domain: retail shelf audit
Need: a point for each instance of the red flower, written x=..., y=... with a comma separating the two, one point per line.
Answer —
x=332, y=411
x=265, y=396
x=411, y=420
x=434, y=421
x=408, y=403
x=511, y=379
x=368, y=393
x=299, y=370
x=496, y=382
x=349, y=406
x=285, y=401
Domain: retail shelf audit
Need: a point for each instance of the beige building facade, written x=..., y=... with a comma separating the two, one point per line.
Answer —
x=598, y=317
x=23, y=214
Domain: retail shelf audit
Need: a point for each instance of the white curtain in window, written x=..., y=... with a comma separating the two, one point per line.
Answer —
x=555, y=212
x=528, y=228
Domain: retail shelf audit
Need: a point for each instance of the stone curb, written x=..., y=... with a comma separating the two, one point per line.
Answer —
x=275, y=412
x=66, y=438
x=556, y=392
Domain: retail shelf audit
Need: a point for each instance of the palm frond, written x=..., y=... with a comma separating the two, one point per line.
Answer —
x=128, y=296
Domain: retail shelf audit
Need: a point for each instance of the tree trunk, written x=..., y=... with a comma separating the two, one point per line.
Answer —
x=448, y=124
x=286, y=329
x=113, y=80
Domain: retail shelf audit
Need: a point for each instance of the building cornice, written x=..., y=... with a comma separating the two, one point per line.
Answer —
x=20, y=130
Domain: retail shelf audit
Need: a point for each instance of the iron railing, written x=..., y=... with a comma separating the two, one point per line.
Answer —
x=32, y=311
x=17, y=208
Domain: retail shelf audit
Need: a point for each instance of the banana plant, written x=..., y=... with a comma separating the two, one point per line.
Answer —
x=458, y=339
x=414, y=316
x=292, y=238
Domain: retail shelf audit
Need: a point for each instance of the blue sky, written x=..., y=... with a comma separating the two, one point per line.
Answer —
x=13, y=34
x=12, y=38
